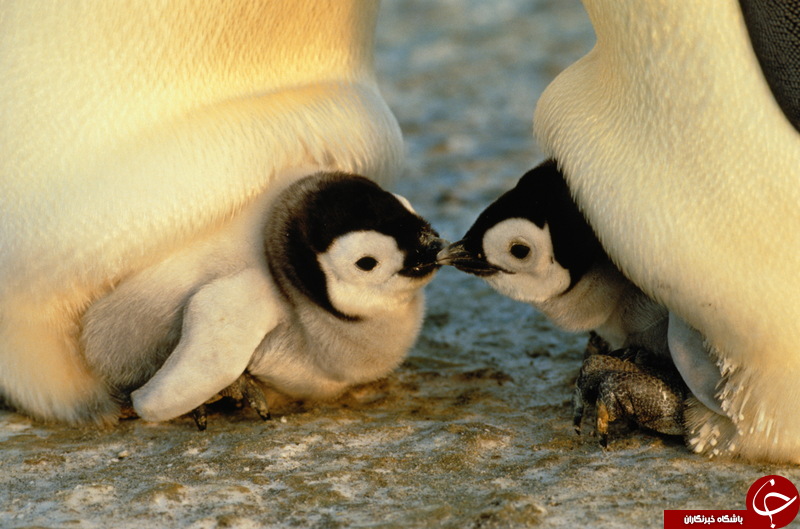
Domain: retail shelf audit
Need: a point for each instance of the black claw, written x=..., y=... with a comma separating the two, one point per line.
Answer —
x=200, y=417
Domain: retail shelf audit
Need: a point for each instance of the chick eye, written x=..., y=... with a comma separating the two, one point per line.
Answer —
x=367, y=263
x=520, y=251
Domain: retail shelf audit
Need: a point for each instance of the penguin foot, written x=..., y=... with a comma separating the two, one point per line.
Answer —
x=630, y=383
x=244, y=390
x=200, y=416
x=596, y=346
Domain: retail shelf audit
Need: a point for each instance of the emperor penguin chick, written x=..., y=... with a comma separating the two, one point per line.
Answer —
x=534, y=245
x=334, y=298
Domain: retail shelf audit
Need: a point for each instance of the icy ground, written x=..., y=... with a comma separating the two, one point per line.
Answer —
x=474, y=431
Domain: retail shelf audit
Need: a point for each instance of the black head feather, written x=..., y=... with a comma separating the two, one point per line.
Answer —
x=542, y=197
x=312, y=212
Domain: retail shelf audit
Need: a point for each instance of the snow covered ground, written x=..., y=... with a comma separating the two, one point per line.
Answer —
x=474, y=430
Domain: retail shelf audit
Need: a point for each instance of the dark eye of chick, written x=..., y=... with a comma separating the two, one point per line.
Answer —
x=367, y=263
x=520, y=251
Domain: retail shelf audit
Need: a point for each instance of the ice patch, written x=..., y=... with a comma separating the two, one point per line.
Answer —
x=84, y=496
x=12, y=424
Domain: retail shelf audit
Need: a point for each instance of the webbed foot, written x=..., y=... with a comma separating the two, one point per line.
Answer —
x=630, y=383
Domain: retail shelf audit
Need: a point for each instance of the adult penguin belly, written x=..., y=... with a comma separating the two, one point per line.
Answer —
x=688, y=169
x=130, y=132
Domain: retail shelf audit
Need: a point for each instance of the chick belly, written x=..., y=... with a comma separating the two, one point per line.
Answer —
x=301, y=380
x=321, y=374
x=309, y=381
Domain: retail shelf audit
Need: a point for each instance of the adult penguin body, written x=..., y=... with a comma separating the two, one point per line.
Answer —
x=678, y=137
x=132, y=132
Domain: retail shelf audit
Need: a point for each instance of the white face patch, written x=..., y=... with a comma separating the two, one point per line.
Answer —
x=525, y=252
x=361, y=269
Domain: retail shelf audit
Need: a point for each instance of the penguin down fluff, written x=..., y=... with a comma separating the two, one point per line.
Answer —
x=329, y=294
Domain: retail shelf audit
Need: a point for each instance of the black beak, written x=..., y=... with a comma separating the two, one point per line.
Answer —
x=424, y=261
x=457, y=255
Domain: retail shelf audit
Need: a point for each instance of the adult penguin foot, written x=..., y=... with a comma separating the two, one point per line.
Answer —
x=633, y=384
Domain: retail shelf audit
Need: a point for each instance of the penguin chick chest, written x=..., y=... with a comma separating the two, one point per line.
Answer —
x=330, y=356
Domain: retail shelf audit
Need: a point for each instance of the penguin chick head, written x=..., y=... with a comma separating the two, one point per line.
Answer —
x=349, y=246
x=532, y=244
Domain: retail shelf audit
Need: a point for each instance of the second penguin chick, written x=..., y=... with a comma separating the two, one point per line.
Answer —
x=533, y=245
x=327, y=294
